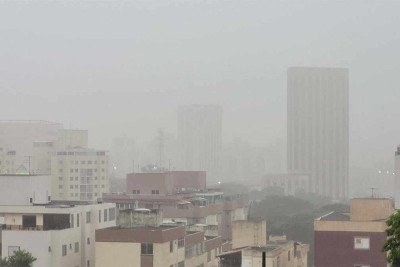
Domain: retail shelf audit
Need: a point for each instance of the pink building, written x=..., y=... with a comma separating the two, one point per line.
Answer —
x=167, y=183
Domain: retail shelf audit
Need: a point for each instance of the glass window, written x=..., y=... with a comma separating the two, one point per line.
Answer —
x=88, y=217
x=146, y=249
x=105, y=215
x=76, y=247
x=361, y=242
x=64, y=250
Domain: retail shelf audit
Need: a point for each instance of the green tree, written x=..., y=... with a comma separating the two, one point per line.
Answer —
x=21, y=258
x=4, y=262
x=392, y=245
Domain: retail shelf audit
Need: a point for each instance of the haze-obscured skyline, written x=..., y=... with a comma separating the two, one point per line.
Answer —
x=122, y=67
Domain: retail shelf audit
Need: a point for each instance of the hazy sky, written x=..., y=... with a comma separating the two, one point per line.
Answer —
x=122, y=67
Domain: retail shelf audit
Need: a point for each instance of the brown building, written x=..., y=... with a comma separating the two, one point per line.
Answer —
x=354, y=239
x=142, y=242
x=165, y=183
x=212, y=209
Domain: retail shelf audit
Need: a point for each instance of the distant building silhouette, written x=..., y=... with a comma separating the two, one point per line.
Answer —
x=318, y=128
x=199, y=138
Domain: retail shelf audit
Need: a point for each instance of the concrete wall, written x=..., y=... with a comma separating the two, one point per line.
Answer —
x=370, y=209
x=131, y=218
x=334, y=249
x=20, y=188
x=121, y=254
x=249, y=233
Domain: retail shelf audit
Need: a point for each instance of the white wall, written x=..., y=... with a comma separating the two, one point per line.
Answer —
x=18, y=189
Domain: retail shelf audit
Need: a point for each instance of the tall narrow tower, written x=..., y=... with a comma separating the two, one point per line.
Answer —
x=199, y=137
x=318, y=128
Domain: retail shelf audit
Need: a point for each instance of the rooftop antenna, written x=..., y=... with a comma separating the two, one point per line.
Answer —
x=372, y=191
x=161, y=146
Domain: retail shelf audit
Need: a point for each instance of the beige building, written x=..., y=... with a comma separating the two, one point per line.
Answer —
x=153, y=244
x=59, y=235
x=250, y=248
x=79, y=174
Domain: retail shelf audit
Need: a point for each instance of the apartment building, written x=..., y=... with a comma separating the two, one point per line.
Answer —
x=142, y=240
x=79, y=174
x=212, y=211
x=354, y=239
x=57, y=234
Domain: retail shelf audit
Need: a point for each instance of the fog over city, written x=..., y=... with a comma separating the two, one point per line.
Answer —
x=121, y=68
x=263, y=129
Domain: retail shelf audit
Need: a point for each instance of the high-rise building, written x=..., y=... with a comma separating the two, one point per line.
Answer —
x=199, y=138
x=318, y=128
x=397, y=177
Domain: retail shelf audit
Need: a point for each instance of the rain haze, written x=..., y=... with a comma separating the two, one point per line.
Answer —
x=121, y=68
x=199, y=133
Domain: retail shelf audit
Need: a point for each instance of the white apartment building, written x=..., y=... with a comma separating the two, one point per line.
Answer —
x=58, y=235
x=25, y=189
x=79, y=174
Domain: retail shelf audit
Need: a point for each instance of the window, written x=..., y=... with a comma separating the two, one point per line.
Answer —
x=60, y=186
x=288, y=255
x=88, y=241
x=111, y=214
x=64, y=250
x=361, y=242
x=76, y=247
x=155, y=192
x=11, y=250
x=77, y=220
x=146, y=249
x=99, y=215
x=88, y=217
x=105, y=215
x=88, y=263
x=136, y=192
x=209, y=256
x=71, y=187
x=171, y=246
x=72, y=220
x=181, y=242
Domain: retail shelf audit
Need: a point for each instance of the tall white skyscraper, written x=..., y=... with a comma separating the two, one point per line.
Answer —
x=318, y=128
x=199, y=139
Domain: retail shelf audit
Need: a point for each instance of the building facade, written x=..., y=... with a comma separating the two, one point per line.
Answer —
x=79, y=174
x=142, y=240
x=318, y=128
x=199, y=138
x=354, y=239
x=397, y=177
x=25, y=189
x=56, y=234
